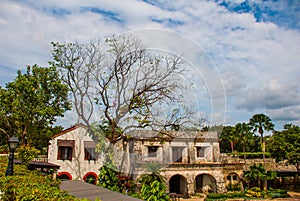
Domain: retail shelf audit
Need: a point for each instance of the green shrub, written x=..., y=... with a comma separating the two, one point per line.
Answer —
x=277, y=193
x=3, y=148
x=224, y=196
x=108, y=177
x=220, y=199
x=274, y=195
x=29, y=185
x=233, y=187
x=216, y=195
x=235, y=194
x=27, y=153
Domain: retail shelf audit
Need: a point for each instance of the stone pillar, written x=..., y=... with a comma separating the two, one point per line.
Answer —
x=221, y=187
x=190, y=188
x=54, y=173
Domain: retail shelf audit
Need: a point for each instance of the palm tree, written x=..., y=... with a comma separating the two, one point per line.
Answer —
x=233, y=138
x=245, y=136
x=228, y=135
x=255, y=174
x=260, y=123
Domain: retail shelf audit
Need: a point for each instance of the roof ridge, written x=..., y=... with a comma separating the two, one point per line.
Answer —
x=75, y=126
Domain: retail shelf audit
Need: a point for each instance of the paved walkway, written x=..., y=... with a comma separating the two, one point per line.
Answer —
x=82, y=189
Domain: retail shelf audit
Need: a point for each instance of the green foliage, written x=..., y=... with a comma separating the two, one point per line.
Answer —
x=109, y=131
x=277, y=193
x=153, y=185
x=27, y=153
x=233, y=187
x=216, y=195
x=224, y=196
x=27, y=185
x=4, y=148
x=243, y=131
x=156, y=191
x=230, y=136
x=108, y=177
x=252, y=193
x=260, y=123
x=99, y=137
x=256, y=192
x=256, y=174
x=30, y=104
x=285, y=145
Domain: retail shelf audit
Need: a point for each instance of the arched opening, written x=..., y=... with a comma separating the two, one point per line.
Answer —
x=178, y=185
x=205, y=183
x=233, y=182
x=90, y=177
x=64, y=176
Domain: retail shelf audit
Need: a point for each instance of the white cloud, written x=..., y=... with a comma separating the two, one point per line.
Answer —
x=258, y=61
x=272, y=95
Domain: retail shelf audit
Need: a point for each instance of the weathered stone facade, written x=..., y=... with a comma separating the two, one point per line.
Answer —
x=190, y=160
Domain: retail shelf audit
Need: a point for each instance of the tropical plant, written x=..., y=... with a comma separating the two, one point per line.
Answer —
x=245, y=136
x=260, y=123
x=256, y=174
x=228, y=139
x=108, y=177
x=153, y=185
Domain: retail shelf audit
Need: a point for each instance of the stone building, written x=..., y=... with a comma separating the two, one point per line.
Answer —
x=190, y=160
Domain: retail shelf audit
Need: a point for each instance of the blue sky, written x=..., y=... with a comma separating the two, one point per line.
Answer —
x=253, y=44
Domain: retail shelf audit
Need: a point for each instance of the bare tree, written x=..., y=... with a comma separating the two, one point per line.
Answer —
x=77, y=63
x=123, y=83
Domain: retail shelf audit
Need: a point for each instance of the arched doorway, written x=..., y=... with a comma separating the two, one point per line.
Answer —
x=90, y=177
x=64, y=176
x=205, y=182
x=178, y=185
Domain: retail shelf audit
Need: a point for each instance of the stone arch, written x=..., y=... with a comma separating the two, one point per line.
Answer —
x=233, y=182
x=90, y=177
x=232, y=178
x=64, y=176
x=178, y=185
x=205, y=183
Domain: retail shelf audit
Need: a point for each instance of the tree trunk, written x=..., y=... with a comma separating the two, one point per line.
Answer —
x=245, y=159
x=264, y=161
x=232, y=147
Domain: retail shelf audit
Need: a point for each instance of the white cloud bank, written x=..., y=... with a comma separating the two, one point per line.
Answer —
x=258, y=61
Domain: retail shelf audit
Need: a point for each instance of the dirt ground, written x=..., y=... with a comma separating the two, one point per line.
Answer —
x=295, y=196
